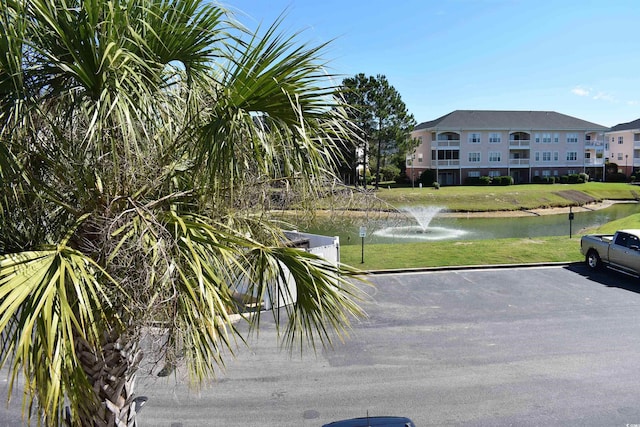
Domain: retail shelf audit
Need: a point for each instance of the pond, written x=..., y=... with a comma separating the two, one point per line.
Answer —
x=405, y=229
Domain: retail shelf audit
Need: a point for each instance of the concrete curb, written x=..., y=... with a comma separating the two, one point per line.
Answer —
x=470, y=267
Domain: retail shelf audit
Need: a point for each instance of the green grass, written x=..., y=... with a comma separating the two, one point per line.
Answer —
x=475, y=252
x=515, y=197
x=472, y=252
x=478, y=199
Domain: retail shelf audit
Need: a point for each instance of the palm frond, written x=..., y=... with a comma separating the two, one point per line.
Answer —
x=48, y=300
x=326, y=295
x=272, y=112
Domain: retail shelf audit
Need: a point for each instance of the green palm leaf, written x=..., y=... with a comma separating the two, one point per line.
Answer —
x=48, y=299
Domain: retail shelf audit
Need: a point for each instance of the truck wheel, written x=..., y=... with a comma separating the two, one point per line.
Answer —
x=593, y=260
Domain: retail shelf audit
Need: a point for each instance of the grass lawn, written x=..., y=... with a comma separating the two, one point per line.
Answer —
x=495, y=251
x=460, y=253
x=514, y=197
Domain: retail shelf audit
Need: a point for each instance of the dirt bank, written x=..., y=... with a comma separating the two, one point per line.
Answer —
x=532, y=212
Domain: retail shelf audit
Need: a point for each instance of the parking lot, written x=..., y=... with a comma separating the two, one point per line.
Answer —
x=492, y=347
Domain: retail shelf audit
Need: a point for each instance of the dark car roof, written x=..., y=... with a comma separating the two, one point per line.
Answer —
x=373, y=422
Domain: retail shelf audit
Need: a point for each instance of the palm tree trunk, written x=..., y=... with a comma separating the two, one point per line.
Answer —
x=111, y=372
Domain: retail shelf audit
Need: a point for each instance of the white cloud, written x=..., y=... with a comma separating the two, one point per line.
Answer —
x=580, y=91
x=597, y=96
x=604, y=97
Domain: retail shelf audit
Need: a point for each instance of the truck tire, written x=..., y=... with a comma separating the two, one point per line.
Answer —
x=593, y=260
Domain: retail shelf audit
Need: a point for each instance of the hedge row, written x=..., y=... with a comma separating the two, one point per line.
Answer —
x=488, y=180
x=576, y=178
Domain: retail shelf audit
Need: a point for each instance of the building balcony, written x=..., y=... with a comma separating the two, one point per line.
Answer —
x=594, y=162
x=593, y=143
x=448, y=143
x=636, y=162
x=636, y=144
x=514, y=163
x=444, y=164
x=519, y=143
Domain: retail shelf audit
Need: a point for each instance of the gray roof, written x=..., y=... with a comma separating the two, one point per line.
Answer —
x=509, y=120
x=626, y=126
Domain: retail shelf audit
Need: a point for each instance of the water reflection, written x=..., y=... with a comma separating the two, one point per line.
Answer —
x=471, y=228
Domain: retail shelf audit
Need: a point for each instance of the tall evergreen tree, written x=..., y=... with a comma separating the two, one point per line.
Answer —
x=381, y=115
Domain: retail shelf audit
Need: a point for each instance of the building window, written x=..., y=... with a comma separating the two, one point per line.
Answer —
x=619, y=156
x=495, y=138
x=474, y=138
x=587, y=154
x=556, y=137
x=494, y=156
x=537, y=156
x=636, y=137
x=546, y=173
x=556, y=156
x=474, y=157
x=546, y=156
x=493, y=174
x=620, y=140
x=537, y=137
x=572, y=172
x=572, y=155
x=419, y=157
x=546, y=138
x=474, y=174
x=572, y=137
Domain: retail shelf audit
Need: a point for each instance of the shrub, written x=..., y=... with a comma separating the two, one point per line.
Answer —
x=484, y=180
x=548, y=180
x=616, y=177
x=502, y=180
x=507, y=180
x=428, y=177
x=564, y=179
x=389, y=173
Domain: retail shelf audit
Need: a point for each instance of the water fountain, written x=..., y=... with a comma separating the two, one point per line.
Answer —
x=423, y=215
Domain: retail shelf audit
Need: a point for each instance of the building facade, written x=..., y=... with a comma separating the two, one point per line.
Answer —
x=624, y=146
x=521, y=144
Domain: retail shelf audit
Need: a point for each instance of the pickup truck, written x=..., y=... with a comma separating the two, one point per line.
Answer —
x=620, y=251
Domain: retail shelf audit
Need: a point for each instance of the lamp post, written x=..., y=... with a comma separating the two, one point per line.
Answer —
x=626, y=157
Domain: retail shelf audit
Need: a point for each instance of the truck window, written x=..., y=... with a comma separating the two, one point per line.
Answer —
x=621, y=239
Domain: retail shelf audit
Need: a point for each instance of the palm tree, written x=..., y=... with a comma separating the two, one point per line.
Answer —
x=141, y=142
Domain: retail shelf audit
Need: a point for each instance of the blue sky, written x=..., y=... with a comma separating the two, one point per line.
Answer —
x=580, y=58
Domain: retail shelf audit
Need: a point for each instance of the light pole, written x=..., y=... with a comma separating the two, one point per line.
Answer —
x=626, y=156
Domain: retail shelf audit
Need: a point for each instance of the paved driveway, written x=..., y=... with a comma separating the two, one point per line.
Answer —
x=530, y=346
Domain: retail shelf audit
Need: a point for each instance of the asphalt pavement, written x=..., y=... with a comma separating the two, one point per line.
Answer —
x=541, y=346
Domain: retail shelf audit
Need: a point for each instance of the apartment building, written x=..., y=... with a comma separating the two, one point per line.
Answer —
x=520, y=144
x=624, y=146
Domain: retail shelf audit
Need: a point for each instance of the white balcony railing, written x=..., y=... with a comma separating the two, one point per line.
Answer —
x=445, y=163
x=519, y=162
x=522, y=143
x=594, y=162
x=594, y=143
x=448, y=143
